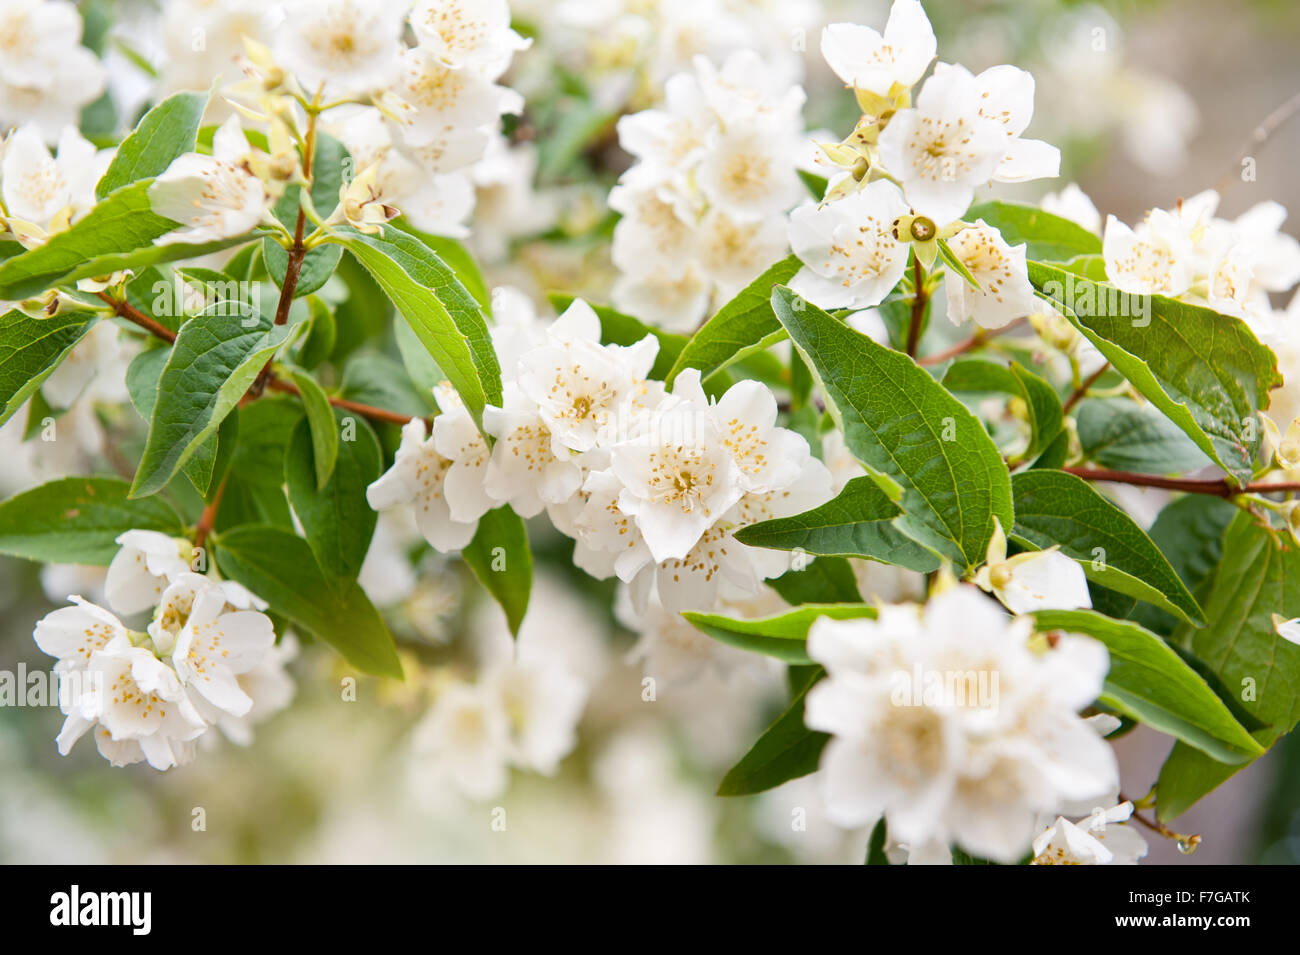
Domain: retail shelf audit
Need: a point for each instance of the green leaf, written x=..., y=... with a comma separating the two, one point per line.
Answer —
x=903, y=425
x=324, y=439
x=742, y=327
x=77, y=520
x=827, y=580
x=318, y=343
x=142, y=377
x=617, y=328
x=210, y=367
x=1121, y=434
x=815, y=184
x=1040, y=398
x=30, y=350
x=164, y=133
x=786, y=750
x=457, y=256
x=1150, y=683
x=876, y=845
x=447, y=319
x=121, y=232
x=859, y=522
x=336, y=520
x=501, y=560
x=1258, y=576
x=1053, y=507
x=1049, y=238
x=424, y=371
x=254, y=491
x=317, y=265
x=378, y=380
x=280, y=568
x=1190, y=533
x=783, y=636
x=1207, y=372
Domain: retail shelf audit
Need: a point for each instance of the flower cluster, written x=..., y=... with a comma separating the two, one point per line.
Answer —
x=43, y=193
x=908, y=173
x=414, y=118
x=651, y=484
x=207, y=657
x=948, y=721
x=701, y=208
x=46, y=75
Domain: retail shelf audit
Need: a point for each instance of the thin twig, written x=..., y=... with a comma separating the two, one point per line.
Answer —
x=356, y=407
x=1082, y=390
x=132, y=314
x=975, y=341
x=208, y=519
x=1217, y=487
x=1258, y=136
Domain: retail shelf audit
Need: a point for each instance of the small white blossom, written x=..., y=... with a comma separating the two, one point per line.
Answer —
x=143, y=568
x=473, y=34
x=850, y=256
x=1033, y=580
x=1102, y=838
x=867, y=60
x=212, y=197
x=1004, y=292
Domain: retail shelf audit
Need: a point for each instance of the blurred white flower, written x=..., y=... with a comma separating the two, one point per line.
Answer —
x=472, y=34
x=46, y=75
x=345, y=47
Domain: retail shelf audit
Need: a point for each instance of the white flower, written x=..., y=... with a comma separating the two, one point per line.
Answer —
x=733, y=253
x=864, y=59
x=609, y=543
x=95, y=369
x=46, y=191
x=418, y=476
x=506, y=206
x=675, y=299
x=73, y=634
x=1033, y=580
x=46, y=75
x=140, y=704
x=212, y=197
x=215, y=646
x=1102, y=838
x=652, y=230
x=678, y=477
x=224, y=26
x=544, y=703
x=1007, y=101
x=268, y=685
x=438, y=203
x=1074, y=204
x=1154, y=259
x=525, y=471
x=346, y=46
x=941, y=149
x=583, y=389
x=672, y=650
x=143, y=568
x=850, y=256
x=1004, y=292
x=943, y=719
x=748, y=171
x=465, y=738
x=474, y=34
x=450, y=114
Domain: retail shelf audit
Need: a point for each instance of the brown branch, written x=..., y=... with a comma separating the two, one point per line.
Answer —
x=1217, y=487
x=132, y=314
x=976, y=340
x=209, y=516
x=356, y=407
x=1258, y=136
x=1082, y=390
x=919, y=300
